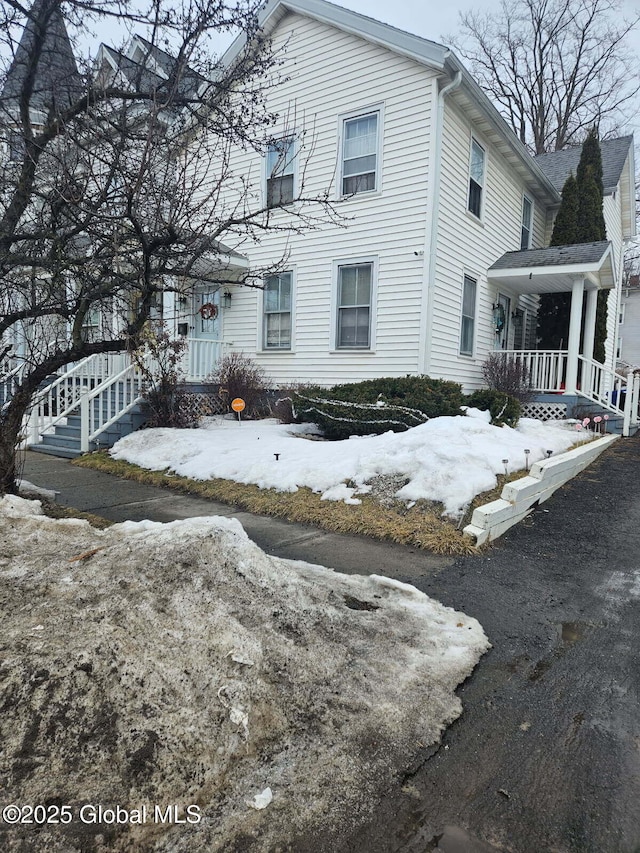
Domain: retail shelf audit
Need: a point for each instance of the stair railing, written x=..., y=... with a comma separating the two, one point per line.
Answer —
x=61, y=396
x=107, y=403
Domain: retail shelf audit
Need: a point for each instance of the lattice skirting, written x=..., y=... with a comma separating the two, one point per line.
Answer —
x=545, y=411
x=201, y=405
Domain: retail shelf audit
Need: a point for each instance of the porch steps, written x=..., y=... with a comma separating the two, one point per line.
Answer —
x=64, y=441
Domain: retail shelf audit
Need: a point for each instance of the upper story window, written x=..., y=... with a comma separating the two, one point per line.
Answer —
x=355, y=287
x=360, y=155
x=467, y=329
x=277, y=312
x=280, y=171
x=527, y=223
x=476, y=178
x=16, y=146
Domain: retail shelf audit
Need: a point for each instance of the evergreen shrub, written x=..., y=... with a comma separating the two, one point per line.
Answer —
x=376, y=406
x=504, y=408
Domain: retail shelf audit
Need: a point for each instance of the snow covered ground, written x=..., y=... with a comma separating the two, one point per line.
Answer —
x=147, y=666
x=448, y=459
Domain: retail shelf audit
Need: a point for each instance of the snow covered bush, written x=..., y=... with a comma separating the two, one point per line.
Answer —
x=376, y=406
x=504, y=408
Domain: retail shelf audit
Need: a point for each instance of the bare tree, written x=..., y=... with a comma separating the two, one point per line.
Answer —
x=118, y=181
x=554, y=68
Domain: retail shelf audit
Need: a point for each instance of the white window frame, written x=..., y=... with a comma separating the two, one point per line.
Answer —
x=373, y=301
x=480, y=215
x=377, y=110
x=475, y=280
x=263, y=315
x=526, y=198
x=265, y=169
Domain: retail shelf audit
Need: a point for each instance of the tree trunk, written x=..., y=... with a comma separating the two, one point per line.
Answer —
x=11, y=422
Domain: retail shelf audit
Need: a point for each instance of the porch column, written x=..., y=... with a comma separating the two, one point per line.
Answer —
x=589, y=336
x=573, y=346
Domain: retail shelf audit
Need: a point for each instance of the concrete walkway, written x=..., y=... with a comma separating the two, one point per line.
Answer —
x=126, y=500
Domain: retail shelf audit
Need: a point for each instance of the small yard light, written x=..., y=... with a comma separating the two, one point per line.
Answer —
x=549, y=452
x=526, y=459
x=505, y=462
x=277, y=455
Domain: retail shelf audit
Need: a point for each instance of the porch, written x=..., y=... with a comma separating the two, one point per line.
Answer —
x=582, y=270
x=97, y=400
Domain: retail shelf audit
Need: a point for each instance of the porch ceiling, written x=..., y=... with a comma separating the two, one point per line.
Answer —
x=554, y=270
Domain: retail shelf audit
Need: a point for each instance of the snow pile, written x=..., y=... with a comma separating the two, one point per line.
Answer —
x=179, y=665
x=448, y=459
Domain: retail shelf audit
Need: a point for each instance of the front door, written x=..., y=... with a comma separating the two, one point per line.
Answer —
x=207, y=314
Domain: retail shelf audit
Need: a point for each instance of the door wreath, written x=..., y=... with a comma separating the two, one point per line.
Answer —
x=208, y=311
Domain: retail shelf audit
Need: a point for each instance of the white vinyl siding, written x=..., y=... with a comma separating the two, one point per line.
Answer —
x=328, y=76
x=277, y=302
x=467, y=326
x=360, y=153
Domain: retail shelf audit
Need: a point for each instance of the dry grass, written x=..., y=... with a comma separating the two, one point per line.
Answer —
x=54, y=510
x=421, y=526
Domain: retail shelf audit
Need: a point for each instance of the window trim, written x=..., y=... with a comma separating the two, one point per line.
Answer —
x=526, y=197
x=334, y=347
x=479, y=217
x=475, y=280
x=262, y=343
x=343, y=118
x=293, y=136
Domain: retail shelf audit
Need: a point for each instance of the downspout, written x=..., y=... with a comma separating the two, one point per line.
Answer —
x=431, y=231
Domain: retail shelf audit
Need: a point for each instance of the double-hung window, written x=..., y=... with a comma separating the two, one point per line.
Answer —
x=467, y=329
x=527, y=223
x=360, y=156
x=476, y=178
x=277, y=312
x=355, y=287
x=280, y=171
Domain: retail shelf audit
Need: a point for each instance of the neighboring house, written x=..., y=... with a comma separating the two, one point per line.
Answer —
x=628, y=349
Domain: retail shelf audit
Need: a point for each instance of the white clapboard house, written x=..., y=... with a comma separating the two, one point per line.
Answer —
x=441, y=248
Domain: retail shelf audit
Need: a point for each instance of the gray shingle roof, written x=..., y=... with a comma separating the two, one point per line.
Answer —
x=558, y=165
x=57, y=81
x=553, y=256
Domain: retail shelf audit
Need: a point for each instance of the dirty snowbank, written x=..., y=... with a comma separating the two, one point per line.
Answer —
x=447, y=459
x=179, y=664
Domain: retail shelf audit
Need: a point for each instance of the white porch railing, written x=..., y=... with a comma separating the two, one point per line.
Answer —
x=103, y=406
x=60, y=397
x=202, y=358
x=546, y=372
x=545, y=369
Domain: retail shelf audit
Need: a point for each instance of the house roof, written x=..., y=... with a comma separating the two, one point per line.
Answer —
x=155, y=73
x=436, y=56
x=558, y=165
x=57, y=81
x=554, y=269
x=552, y=256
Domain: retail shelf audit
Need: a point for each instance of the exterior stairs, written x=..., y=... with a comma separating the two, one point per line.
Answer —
x=64, y=441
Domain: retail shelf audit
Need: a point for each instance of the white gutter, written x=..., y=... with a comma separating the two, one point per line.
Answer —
x=431, y=233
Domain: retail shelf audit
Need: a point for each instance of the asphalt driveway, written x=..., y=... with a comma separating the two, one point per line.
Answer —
x=546, y=755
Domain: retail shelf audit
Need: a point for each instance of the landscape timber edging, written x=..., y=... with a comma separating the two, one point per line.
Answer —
x=520, y=497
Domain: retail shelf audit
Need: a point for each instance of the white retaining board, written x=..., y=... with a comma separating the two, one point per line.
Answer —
x=521, y=496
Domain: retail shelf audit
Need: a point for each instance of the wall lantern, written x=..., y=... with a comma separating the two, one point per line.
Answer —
x=226, y=299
